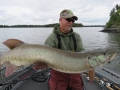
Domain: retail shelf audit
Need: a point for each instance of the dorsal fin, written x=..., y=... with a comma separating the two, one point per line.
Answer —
x=12, y=43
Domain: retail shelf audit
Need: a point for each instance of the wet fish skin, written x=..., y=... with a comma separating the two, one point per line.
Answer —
x=64, y=61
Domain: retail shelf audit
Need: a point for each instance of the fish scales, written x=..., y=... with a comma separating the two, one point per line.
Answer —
x=58, y=59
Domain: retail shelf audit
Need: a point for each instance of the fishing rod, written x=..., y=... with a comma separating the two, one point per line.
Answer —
x=104, y=82
x=111, y=72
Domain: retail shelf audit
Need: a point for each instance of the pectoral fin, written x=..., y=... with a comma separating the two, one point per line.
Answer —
x=10, y=68
x=39, y=65
x=91, y=74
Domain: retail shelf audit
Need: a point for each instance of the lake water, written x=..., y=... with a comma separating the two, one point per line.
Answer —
x=91, y=37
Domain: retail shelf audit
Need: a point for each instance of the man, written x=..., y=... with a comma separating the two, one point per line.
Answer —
x=64, y=38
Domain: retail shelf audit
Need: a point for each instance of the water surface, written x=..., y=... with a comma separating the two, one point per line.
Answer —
x=91, y=37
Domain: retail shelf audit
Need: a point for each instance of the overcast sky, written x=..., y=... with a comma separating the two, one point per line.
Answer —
x=40, y=12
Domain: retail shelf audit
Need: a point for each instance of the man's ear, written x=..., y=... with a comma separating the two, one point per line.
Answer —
x=60, y=19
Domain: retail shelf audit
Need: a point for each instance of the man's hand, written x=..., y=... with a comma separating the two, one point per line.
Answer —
x=39, y=65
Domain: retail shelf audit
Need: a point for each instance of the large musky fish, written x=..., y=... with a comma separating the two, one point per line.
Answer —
x=61, y=60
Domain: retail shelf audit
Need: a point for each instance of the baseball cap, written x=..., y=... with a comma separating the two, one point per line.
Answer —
x=68, y=14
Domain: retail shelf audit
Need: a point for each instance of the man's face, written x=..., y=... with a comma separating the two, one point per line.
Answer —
x=66, y=24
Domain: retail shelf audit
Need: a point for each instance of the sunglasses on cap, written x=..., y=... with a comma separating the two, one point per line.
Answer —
x=70, y=19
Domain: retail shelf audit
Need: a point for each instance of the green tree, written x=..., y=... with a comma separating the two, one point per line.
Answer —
x=117, y=7
x=114, y=17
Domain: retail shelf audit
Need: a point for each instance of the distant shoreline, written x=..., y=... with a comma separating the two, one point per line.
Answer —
x=46, y=26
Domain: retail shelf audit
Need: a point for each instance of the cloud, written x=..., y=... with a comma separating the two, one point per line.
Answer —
x=41, y=12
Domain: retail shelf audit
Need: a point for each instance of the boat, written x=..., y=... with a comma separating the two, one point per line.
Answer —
x=25, y=78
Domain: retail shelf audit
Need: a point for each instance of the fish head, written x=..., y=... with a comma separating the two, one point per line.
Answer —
x=107, y=55
x=102, y=56
x=110, y=54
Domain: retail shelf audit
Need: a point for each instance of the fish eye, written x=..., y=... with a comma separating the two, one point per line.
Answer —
x=89, y=57
x=104, y=53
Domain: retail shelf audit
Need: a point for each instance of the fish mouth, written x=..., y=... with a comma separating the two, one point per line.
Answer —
x=111, y=56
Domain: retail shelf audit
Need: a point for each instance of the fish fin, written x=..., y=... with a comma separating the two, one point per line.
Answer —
x=12, y=43
x=39, y=65
x=10, y=68
x=91, y=74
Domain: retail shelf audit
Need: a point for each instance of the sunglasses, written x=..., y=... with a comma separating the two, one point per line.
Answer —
x=70, y=19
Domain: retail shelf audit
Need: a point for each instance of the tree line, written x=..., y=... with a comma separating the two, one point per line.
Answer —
x=114, y=20
x=47, y=25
